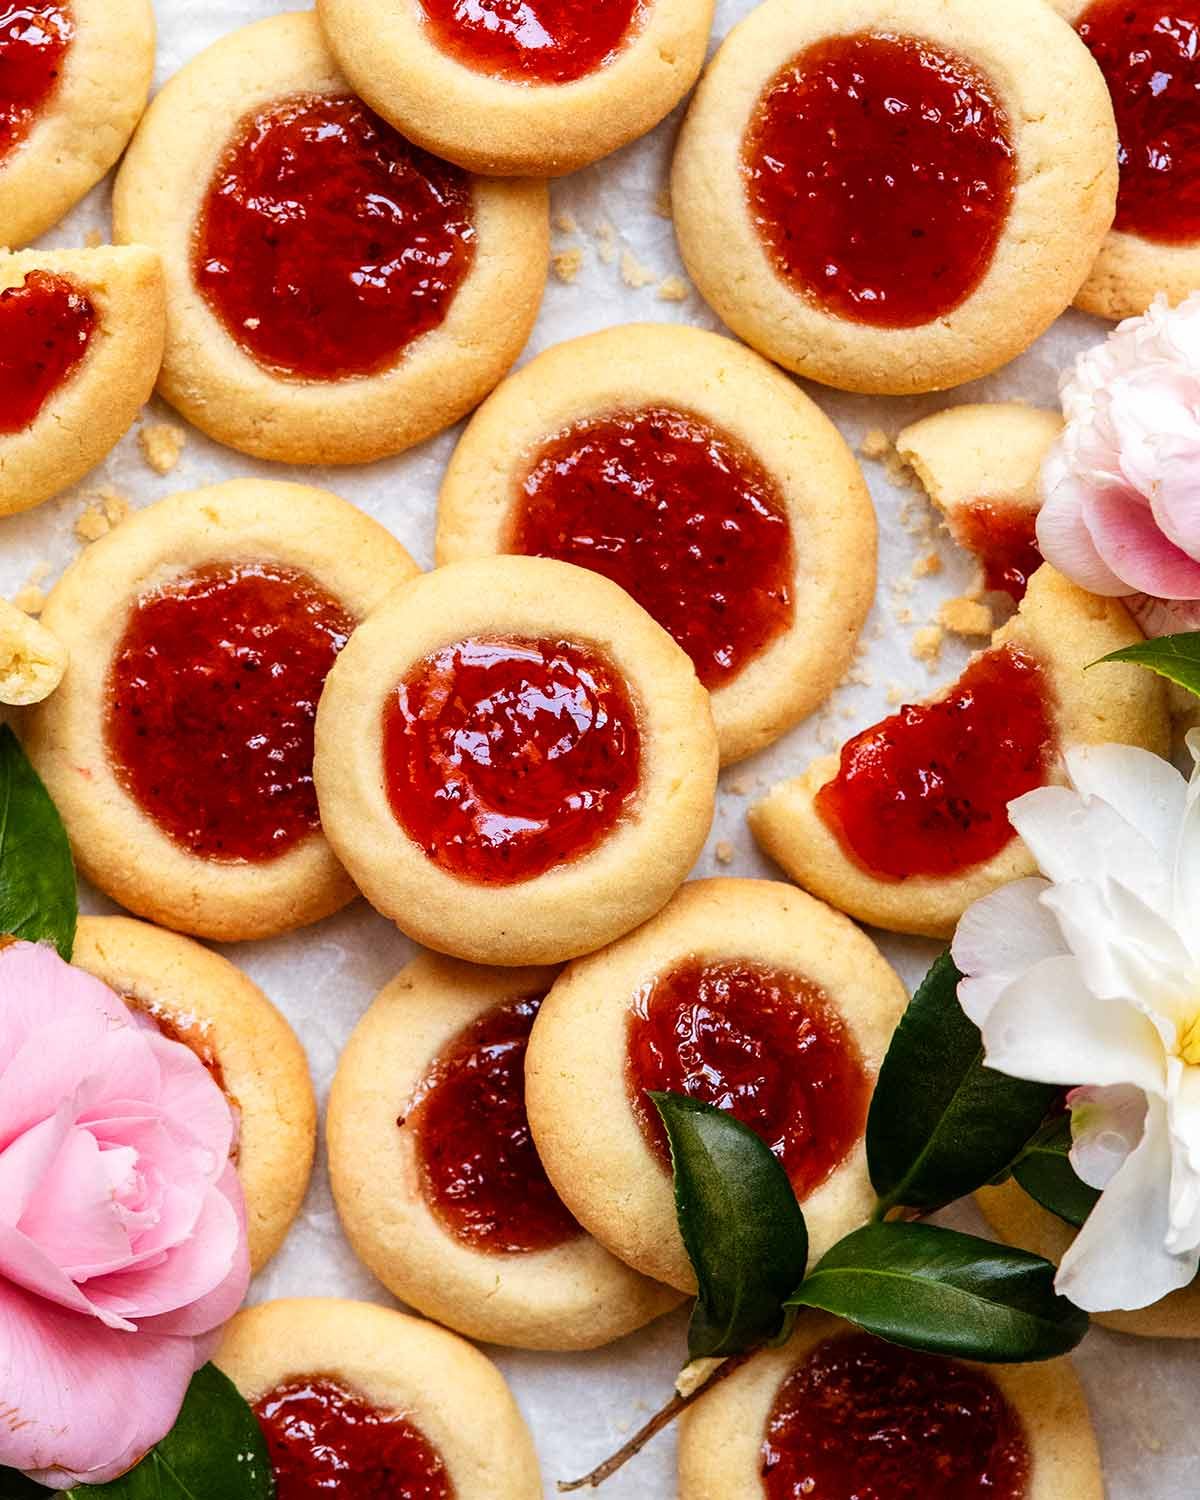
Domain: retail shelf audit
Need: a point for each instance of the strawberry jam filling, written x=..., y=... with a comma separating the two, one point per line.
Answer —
x=504, y=758
x=1149, y=53
x=325, y=1441
x=212, y=699
x=681, y=517
x=479, y=1167
x=862, y=1419
x=34, y=38
x=762, y=1043
x=532, y=41
x=46, y=325
x=880, y=174
x=927, y=791
x=1004, y=538
x=327, y=243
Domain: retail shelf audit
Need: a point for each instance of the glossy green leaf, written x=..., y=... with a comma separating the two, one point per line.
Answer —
x=37, y=875
x=945, y=1293
x=942, y=1124
x=1175, y=657
x=741, y=1225
x=1046, y=1174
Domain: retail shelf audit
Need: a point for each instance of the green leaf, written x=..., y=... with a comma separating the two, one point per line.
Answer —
x=1175, y=657
x=942, y=1124
x=945, y=1293
x=37, y=876
x=1046, y=1174
x=215, y=1451
x=741, y=1225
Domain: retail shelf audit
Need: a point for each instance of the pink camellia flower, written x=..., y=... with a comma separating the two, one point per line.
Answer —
x=1122, y=509
x=122, y=1228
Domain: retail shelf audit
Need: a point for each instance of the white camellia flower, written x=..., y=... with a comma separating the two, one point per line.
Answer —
x=1090, y=977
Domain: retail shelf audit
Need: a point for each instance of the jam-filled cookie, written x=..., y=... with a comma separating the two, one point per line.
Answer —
x=76, y=74
x=81, y=342
x=909, y=825
x=744, y=994
x=196, y=997
x=1148, y=53
x=514, y=762
x=704, y=482
x=360, y=1400
x=837, y=1413
x=334, y=293
x=437, y=1179
x=1020, y=1221
x=890, y=196
x=536, y=89
x=179, y=746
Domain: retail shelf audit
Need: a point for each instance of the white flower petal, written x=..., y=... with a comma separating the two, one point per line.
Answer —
x=1183, y=1121
x=998, y=939
x=1186, y=872
x=1106, y=1127
x=1143, y=789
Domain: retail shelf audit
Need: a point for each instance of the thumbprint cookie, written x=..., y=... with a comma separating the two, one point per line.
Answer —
x=514, y=762
x=890, y=196
x=179, y=746
x=334, y=293
x=702, y=480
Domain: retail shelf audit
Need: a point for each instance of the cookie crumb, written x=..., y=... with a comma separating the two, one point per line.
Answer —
x=739, y=787
x=162, y=444
x=662, y=203
x=565, y=222
x=927, y=643
x=903, y=616
x=875, y=444
x=673, y=289
x=93, y=239
x=925, y=567
x=108, y=508
x=31, y=600
x=606, y=240
x=32, y=661
x=896, y=695
x=633, y=273
x=568, y=264
x=725, y=852
x=964, y=616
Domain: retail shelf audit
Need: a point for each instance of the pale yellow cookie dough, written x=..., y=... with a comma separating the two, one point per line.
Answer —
x=32, y=660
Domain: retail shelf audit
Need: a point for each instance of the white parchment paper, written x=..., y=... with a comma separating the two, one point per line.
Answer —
x=1145, y=1397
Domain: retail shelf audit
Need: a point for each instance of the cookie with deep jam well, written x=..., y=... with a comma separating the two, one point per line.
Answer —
x=704, y=482
x=838, y=1413
x=74, y=78
x=436, y=1177
x=909, y=824
x=81, y=342
x=982, y=467
x=514, y=762
x=362, y=1401
x=179, y=746
x=1149, y=53
x=335, y=294
x=520, y=87
x=745, y=994
x=1020, y=1221
x=890, y=196
x=196, y=997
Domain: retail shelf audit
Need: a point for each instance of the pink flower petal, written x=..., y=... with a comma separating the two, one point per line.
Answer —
x=1175, y=498
x=36, y=985
x=1066, y=543
x=1132, y=546
x=23, y=1264
x=73, y=1217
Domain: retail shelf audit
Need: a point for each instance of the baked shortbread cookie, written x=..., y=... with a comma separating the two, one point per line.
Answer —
x=704, y=482
x=179, y=746
x=81, y=342
x=196, y=997
x=890, y=196
x=837, y=1412
x=514, y=762
x=32, y=660
x=1147, y=52
x=359, y=1399
x=742, y=990
x=334, y=294
x=436, y=1177
x=77, y=74
x=909, y=825
x=537, y=89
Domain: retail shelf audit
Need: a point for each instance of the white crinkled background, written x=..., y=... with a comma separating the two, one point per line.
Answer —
x=1144, y=1396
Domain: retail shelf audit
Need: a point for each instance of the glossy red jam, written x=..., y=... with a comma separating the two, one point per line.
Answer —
x=212, y=699
x=506, y=757
x=764, y=1044
x=1004, y=538
x=34, y=38
x=880, y=173
x=480, y=1169
x=681, y=517
x=927, y=791
x=861, y=1419
x=1149, y=53
x=532, y=41
x=325, y=1441
x=46, y=325
x=328, y=244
